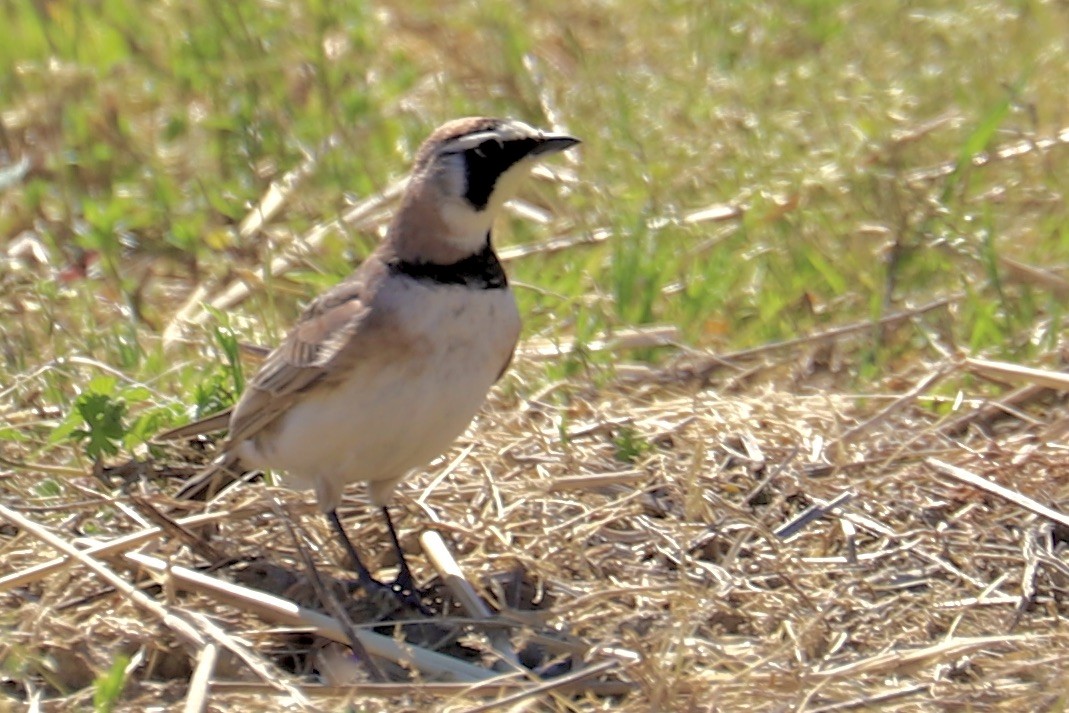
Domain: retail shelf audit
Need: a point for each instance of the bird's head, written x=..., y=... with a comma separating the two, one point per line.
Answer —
x=464, y=173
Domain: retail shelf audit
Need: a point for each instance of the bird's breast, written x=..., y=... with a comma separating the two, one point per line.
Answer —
x=394, y=413
x=465, y=329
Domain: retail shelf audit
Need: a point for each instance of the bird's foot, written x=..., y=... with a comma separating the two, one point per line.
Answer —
x=405, y=591
x=402, y=590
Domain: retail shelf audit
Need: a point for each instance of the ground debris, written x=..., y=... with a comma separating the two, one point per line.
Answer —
x=637, y=519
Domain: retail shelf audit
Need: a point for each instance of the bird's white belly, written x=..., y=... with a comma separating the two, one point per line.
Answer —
x=389, y=416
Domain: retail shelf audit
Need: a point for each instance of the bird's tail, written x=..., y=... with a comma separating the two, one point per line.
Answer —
x=210, y=424
x=220, y=473
x=217, y=475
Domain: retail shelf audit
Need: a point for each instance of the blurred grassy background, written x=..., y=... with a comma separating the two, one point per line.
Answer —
x=136, y=136
x=757, y=170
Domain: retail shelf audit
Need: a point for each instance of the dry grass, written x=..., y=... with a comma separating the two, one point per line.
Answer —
x=852, y=196
x=642, y=528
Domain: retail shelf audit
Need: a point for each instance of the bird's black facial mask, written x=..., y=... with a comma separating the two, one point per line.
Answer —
x=487, y=162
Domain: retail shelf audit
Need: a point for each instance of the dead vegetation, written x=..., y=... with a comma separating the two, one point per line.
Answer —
x=656, y=544
x=806, y=524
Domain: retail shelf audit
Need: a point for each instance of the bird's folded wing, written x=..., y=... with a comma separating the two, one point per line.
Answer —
x=334, y=324
x=337, y=329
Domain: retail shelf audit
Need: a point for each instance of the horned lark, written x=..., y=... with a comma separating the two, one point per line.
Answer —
x=384, y=371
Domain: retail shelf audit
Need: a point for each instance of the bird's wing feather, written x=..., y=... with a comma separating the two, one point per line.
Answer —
x=333, y=324
x=335, y=327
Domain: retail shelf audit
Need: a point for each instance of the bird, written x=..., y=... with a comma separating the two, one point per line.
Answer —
x=381, y=373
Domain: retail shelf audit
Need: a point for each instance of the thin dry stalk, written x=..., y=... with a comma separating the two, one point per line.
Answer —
x=1001, y=153
x=549, y=687
x=1056, y=380
x=635, y=338
x=1038, y=277
x=897, y=660
x=593, y=481
x=175, y=622
x=1014, y=497
x=705, y=366
x=554, y=245
x=469, y=599
x=171, y=527
x=811, y=514
x=928, y=382
x=327, y=598
x=277, y=609
x=197, y=697
x=38, y=572
x=984, y=415
x=867, y=702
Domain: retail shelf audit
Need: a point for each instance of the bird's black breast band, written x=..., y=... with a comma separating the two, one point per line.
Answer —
x=481, y=271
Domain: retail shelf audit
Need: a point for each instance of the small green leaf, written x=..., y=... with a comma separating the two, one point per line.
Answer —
x=136, y=393
x=630, y=445
x=104, y=418
x=97, y=418
x=47, y=488
x=102, y=384
x=108, y=686
x=13, y=434
x=227, y=340
x=65, y=430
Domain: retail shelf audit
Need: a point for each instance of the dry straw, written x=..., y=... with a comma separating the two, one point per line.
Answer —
x=654, y=544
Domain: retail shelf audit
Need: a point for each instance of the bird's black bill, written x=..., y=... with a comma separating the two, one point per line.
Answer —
x=554, y=143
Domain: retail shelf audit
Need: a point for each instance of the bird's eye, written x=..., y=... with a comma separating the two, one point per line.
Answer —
x=490, y=147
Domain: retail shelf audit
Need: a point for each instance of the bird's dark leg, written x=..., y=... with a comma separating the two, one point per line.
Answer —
x=369, y=583
x=405, y=580
x=403, y=589
x=405, y=585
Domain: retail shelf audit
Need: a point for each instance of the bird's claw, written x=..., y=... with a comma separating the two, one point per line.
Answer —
x=405, y=591
x=402, y=590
